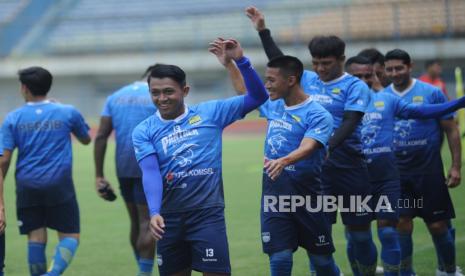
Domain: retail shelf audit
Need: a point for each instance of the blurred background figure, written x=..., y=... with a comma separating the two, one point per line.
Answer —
x=432, y=75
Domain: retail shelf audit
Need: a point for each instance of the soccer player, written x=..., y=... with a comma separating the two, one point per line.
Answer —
x=380, y=81
x=377, y=137
x=433, y=75
x=344, y=173
x=122, y=112
x=298, y=131
x=179, y=152
x=417, y=148
x=45, y=196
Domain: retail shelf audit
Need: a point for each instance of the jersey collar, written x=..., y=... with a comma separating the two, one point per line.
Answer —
x=403, y=93
x=296, y=106
x=335, y=80
x=176, y=120
x=38, y=103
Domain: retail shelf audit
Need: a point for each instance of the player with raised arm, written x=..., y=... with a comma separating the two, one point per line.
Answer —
x=179, y=152
x=417, y=145
x=377, y=136
x=298, y=131
x=122, y=112
x=45, y=196
x=344, y=173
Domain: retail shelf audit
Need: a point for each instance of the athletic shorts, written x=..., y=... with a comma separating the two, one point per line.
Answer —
x=195, y=239
x=386, y=194
x=426, y=196
x=132, y=190
x=63, y=217
x=344, y=183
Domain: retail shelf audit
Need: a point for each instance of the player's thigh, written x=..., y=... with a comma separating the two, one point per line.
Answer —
x=433, y=199
x=206, y=233
x=278, y=232
x=64, y=217
x=173, y=252
x=349, y=185
x=385, y=199
x=30, y=219
x=314, y=232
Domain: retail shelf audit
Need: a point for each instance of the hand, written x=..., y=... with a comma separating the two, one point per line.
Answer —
x=232, y=49
x=2, y=220
x=217, y=48
x=156, y=227
x=275, y=167
x=257, y=18
x=453, y=177
x=103, y=188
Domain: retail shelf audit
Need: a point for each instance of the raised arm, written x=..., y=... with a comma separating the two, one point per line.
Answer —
x=258, y=20
x=429, y=111
x=217, y=48
x=256, y=93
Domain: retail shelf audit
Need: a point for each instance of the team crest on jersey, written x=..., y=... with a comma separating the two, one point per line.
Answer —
x=184, y=154
x=379, y=105
x=195, y=120
x=296, y=118
x=266, y=237
x=336, y=91
x=276, y=142
x=417, y=99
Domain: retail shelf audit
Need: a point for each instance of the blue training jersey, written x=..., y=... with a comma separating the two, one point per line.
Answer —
x=41, y=132
x=287, y=126
x=189, y=153
x=417, y=143
x=127, y=107
x=347, y=93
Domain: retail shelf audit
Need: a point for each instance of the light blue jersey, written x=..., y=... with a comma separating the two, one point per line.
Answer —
x=346, y=93
x=127, y=107
x=41, y=132
x=417, y=142
x=287, y=126
x=188, y=150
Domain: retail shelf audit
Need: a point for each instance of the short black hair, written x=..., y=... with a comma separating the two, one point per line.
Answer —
x=173, y=72
x=398, y=54
x=373, y=54
x=358, y=60
x=37, y=79
x=326, y=46
x=289, y=65
x=431, y=62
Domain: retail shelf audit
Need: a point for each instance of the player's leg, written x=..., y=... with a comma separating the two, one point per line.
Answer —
x=145, y=244
x=388, y=192
x=353, y=183
x=126, y=187
x=206, y=233
x=437, y=212
x=64, y=218
x=31, y=221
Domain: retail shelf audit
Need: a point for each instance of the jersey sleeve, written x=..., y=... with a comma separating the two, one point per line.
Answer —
x=439, y=97
x=142, y=141
x=8, y=140
x=357, y=97
x=79, y=126
x=226, y=112
x=264, y=109
x=106, y=112
x=320, y=127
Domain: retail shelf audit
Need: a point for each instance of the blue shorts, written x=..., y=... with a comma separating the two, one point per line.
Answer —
x=63, y=217
x=132, y=190
x=385, y=192
x=195, y=239
x=426, y=196
x=344, y=183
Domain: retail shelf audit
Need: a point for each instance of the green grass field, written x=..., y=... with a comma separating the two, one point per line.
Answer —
x=105, y=250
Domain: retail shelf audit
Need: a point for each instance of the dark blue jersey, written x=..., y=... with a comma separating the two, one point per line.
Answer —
x=346, y=93
x=41, y=132
x=128, y=107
